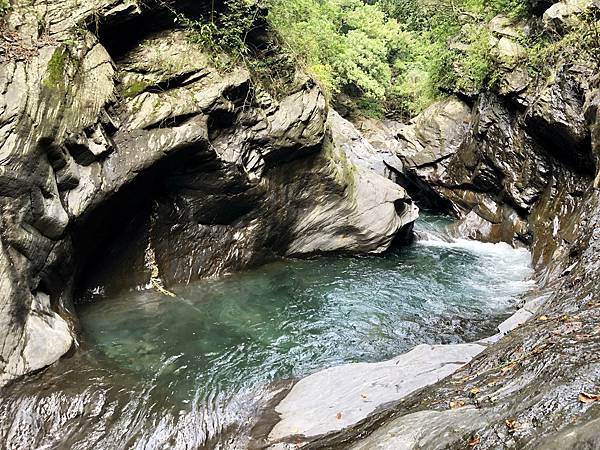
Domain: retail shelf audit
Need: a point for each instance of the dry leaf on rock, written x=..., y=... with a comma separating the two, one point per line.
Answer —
x=474, y=441
x=586, y=397
x=511, y=424
x=473, y=392
x=457, y=404
x=508, y=367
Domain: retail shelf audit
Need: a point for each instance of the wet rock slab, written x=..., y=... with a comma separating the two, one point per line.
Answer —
x=338, y=397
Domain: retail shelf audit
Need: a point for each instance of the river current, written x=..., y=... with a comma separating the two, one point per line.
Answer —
x=195, y=370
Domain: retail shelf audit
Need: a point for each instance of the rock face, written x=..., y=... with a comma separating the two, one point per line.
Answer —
x=496, y=165
x=127, y=159
x=333, y=399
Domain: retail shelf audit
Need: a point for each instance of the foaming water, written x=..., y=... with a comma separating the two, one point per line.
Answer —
x=194, y=370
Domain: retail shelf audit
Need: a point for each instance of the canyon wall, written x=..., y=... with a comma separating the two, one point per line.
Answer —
x=127, y=159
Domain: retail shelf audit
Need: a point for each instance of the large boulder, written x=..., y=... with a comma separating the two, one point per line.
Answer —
x=508, y=55
x=336, y=398
x=425, y=145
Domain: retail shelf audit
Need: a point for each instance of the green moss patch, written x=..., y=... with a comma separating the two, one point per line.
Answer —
x=55, y=73
x=134, y=88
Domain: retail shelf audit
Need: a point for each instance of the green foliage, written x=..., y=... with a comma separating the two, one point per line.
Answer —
x=388, y=55
x=404, y=53
x=4, y=7
x=225, y=33
x=225, y=30
x=134, y=88
x=544, y=53
x=346, y=44
x=448, y=48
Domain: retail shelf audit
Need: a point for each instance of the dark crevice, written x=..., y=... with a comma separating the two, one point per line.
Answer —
x=172, y=122
x=570, y=152
x=220, y=120
x=121, y=34
x=177, y=81
x=111, y=241
x=239, y=95
x=423, y=194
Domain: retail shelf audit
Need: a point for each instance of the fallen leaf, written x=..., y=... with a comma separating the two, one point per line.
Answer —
x=586, y=397
x=511, y=424
x=508, y=367
x=564, y=317
x=542, y=318
x=338, y=416
x=539, y=349
x=474, y=441
x=473, y=392
x=457, y=404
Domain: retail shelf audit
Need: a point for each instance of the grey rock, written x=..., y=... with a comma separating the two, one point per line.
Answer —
x=335, y=398
x=443, y=429
x=557, y=116
x=436, y=133
x=519, y=318
x=372, y=200
x=564, y=15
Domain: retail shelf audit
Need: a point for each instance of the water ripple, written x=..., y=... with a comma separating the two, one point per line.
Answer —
x=192, y=371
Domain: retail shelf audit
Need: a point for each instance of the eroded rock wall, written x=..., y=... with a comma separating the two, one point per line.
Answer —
x=510, y=173
x=127, y=159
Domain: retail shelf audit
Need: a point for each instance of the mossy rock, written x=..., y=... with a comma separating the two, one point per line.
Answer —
x=56, y=70
x=134, y=88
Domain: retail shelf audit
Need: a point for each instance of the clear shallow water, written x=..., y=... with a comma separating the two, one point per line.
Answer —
x=156, y=371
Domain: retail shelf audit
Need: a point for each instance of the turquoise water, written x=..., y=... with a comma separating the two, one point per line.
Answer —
x=181, y=371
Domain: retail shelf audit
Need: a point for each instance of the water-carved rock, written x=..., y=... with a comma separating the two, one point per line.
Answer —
x=127, y=158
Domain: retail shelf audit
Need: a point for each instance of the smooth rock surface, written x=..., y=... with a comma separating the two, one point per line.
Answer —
x=335, y=398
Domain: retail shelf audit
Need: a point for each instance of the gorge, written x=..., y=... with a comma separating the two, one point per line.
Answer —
x=191, y=257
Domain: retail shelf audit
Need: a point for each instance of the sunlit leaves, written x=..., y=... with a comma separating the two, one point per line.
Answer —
x=344, y=43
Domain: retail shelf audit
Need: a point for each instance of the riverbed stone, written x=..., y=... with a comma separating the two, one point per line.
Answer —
x=335, y=398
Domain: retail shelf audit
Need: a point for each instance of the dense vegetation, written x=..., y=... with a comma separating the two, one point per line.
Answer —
x=395, y=55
